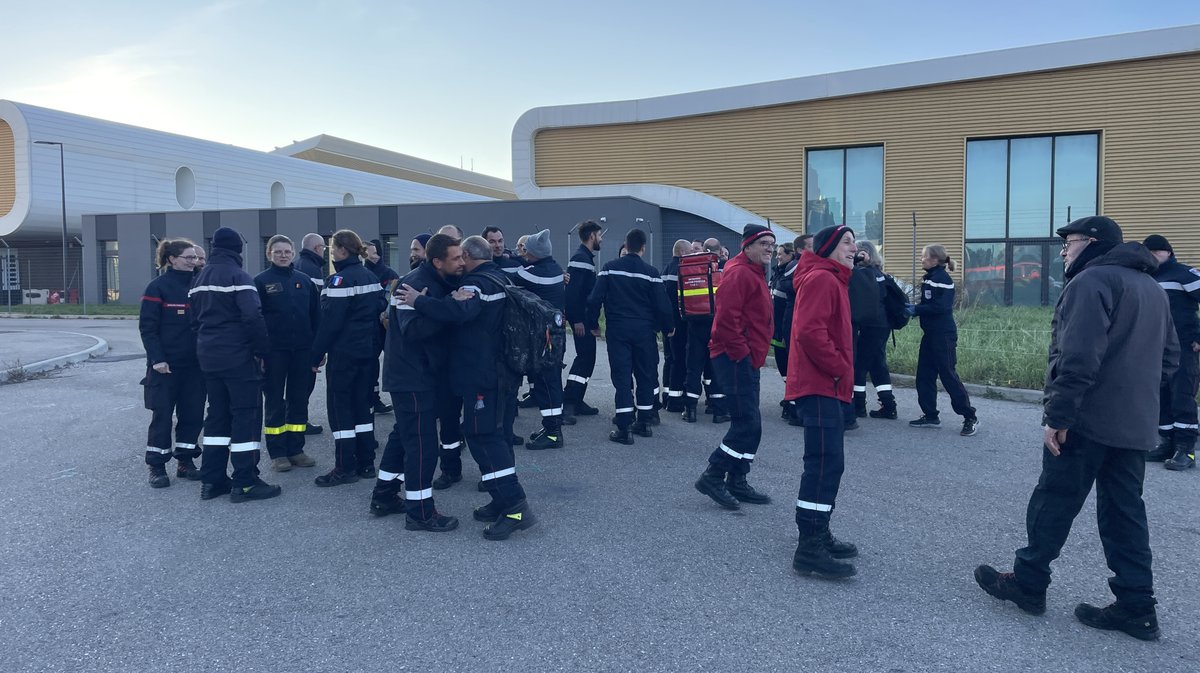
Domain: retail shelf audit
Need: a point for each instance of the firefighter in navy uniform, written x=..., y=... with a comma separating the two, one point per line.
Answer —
x=635, y=307
x=231, y=343
x=783, y=298
x=373, y=260
x=414, y=363
x=291, y=307
x=311, y=262
x=1177, y=422
x=476, y=311
x=350, y=306
x=675, y=348
x=544, y=277
x=699, y=365
x=173, y=382
x=582, y=268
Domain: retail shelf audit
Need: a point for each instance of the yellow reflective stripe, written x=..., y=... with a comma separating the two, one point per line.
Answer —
x=703, y=290
x=295, y=427
x=275, y=431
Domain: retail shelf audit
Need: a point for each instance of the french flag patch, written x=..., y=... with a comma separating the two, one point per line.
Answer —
x=336, y=281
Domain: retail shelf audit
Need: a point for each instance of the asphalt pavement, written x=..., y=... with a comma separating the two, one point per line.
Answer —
x=628, y=569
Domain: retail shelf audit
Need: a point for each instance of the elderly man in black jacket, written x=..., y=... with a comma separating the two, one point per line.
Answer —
x=1112, y=340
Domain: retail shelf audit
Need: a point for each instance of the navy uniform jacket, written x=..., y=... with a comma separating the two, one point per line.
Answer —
x=670, y=279
x=415, y=351
x=582, y=268
x=226, y=314
x=291, y=305
x=545, y=279
x=936, y=309
x=382, y=271
x=165, y=321
x=783, y=299
x=633, y=298
x=350, y=306
x=1182, y=285
x=509, y=262
x=866, y=297
x=312, y=265
x=475, y=341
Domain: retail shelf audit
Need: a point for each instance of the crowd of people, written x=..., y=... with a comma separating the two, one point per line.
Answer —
x=252, y=347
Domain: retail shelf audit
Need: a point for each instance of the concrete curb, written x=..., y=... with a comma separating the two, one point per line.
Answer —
x=979, y=390
x=100, y=348
x=32, y=316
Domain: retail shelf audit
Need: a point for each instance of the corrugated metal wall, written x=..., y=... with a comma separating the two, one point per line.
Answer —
x=1148, y=114
x=8, y=169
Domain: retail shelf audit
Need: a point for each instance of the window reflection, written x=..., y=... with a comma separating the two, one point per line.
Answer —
x=1029, y=188
x=825, y=184
x=984, y=274
x=987, y=175
x=1075, y=173
x=845, y=186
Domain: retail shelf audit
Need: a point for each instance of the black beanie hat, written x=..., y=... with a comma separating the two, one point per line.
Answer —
x=753, y=232
x=826, y=240
x=378, y=246
x=1156, y=242
x=227, y=239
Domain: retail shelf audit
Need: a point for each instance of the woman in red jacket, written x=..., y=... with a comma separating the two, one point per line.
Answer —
x=820, y=379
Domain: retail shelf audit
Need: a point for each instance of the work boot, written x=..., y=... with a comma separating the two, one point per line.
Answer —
x=1114, y=617
x=515, y=518
x=739, y=488
x=641, y=429
x=1183, y=459
x=1005, y=587
x=546, y=440
x=445, y=480
x=712, y=484
x=186, y=469
x=313, y=429
x=335, y=477
x=568, y=414
x=381, y=408
x=302, y=459
x=259, y=490
x=796, y=419
x=885, y=410
x=515, y=440
x=837, y=548
x=487, y=513
x=860, y=405
x=925, y=422
x=438, y=523
x=367, y=471
x=652, y=417
x=1164, y=450
x=720, y=417
x=210, y=491
x=621, y=436
x=584, y=409
x=281, y=464
x=689, y=414
x=158, y=476
x=385, y=498
x=812, y=556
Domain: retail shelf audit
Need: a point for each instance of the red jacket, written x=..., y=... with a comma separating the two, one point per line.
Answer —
x=744, y=319
x=820, y=357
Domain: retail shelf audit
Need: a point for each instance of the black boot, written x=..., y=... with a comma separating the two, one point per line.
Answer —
x=488, y=513
x=336, y=477
x=620, y=436
x=885, y=410
x=689, y=414
x=438, y=523
x=445, y=480
x=837, y=548
x=385, y=498
x=210, y=491
x=259, y=490
x=712, y=484
x=674, y=405
x=812, y=556
x=515, y=518
x=547, y=439
x=186, y=469
x=795, y=419
x=719, y=413
x=641, y=429
x=1184, y=458
x=1164, y=450
x=158, y=476
x=568, y=414
x=1006, y=587
x=652, y=418
x=584, y=409
x=739, y=488
x=1114, y=617
x=860, y=404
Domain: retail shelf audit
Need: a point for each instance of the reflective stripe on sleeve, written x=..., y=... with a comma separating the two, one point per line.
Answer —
x=540, y=280
x=350, y=291
x=581, y=265
x=944, y=286
x=630, y=274
x=221, y=288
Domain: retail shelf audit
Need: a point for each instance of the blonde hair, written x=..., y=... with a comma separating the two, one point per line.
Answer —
x=939, y=253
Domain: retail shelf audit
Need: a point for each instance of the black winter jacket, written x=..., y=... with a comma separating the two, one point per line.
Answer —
x=631, y=292
x=415, y=351
x=545, y=279
x=291, y=305
x=582, y=268
x=866, y=298
x=227, y=315
x=165, y=321
x=783, y=300
x=312, y=265
x=350, y=306
x=670, y=281
x=936, y=309
x=382, y=271
x=475, y=339
x=1112, y=342
x=1182, y=285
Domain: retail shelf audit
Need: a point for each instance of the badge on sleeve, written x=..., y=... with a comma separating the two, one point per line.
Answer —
x=336, y=281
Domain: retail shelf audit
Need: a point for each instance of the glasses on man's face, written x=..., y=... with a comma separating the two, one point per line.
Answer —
x=1067, y=243
x=190, y=258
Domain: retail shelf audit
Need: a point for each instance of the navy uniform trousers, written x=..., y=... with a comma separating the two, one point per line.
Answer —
x=411, y=453
x=632, y=357
x=740, y=381
x=233, y=426
x=870, y=358
x=179, y=395
x=1062, y=489
x=1177, y=402
x=449, y=416
x=348, y=392
x=676, y=378
x=581, y=369
x=937, y=358
x=824, y=461
x=483, y=421
x=287, y=384
x=699, y=366
x=547, y=393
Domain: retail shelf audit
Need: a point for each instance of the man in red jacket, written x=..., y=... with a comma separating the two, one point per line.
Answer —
x=741, y=336
x=820, y=379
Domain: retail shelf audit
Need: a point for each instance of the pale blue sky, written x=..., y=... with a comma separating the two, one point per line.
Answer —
x=446, y=80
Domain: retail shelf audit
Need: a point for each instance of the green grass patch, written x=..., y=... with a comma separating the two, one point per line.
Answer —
x=997, y=346
x=70, y=309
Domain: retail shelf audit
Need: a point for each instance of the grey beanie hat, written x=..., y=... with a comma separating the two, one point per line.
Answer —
x=539, y=245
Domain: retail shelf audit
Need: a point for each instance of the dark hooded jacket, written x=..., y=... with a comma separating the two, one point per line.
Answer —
x=416, y=348
x=1182, y=285
x=312, y=265
x=227, y=314
x=1112, y=342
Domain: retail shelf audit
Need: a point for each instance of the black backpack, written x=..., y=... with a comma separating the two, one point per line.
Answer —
x=894, y=301
x=533, y=333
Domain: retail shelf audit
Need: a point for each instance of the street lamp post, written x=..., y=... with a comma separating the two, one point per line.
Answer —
x=62, y=182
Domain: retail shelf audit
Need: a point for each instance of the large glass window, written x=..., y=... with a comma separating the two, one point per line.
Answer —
x=110, y=273
x=845, y=186
x=1018, y=191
